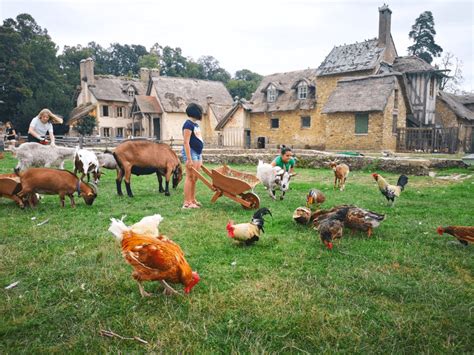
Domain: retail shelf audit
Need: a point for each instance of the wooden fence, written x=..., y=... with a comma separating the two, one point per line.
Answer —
x=101, y=142
x=435, y=140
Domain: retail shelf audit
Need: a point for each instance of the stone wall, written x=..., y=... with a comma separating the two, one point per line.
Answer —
x=290, y=131
x=444, y=115
x=419, y=167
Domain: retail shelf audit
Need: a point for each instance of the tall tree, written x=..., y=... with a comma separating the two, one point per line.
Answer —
x=244, y=83
x=32, y=78
x=212, y=70
x=422, y=33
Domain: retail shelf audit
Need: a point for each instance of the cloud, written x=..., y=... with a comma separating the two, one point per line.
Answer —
x=263, y=36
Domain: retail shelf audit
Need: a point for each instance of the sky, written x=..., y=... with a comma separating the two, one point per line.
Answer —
x=266, y=36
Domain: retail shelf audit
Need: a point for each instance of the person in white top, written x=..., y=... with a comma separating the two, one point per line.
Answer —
x=42, y=124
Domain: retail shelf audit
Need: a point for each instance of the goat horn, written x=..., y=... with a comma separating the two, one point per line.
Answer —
x=93, y=187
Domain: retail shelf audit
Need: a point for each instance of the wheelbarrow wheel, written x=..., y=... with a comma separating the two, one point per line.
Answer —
x=253, y=199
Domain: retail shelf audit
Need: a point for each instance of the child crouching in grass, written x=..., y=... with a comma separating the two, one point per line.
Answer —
x=192, y=153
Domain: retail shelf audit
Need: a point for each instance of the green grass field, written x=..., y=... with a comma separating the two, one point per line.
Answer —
x=406, y=290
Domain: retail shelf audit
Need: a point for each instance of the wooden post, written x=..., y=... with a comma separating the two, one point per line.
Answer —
x=81, y=142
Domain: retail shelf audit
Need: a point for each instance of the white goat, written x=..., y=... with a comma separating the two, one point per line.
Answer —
x=38, y=155
x=107, y=160
x=86, y=162
x=273, y=177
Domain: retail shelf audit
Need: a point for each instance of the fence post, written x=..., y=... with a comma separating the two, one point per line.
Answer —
x=171, y=141
x=81, y=142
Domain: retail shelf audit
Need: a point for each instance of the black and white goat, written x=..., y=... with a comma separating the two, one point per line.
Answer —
x=86, y=162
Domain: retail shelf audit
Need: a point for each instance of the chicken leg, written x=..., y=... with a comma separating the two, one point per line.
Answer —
x=168, y=289
x=142, y=290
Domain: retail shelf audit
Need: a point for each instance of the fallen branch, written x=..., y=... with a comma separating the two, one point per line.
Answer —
x=44, y=222
x=111, y=334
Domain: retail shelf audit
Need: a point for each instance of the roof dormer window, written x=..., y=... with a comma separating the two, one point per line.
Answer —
x=271, y=93
x=302, y=90
x=131, y=92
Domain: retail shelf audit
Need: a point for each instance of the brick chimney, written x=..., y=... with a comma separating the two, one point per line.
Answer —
x=385, y=19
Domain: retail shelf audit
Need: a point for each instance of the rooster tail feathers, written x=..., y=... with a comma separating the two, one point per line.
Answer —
x=402, y=181
x=261, y=212
x=117, y=228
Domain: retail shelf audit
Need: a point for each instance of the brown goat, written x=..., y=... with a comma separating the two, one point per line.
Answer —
x=341, y=171
x=10, y=186
x=141, y=157
x=54, y=181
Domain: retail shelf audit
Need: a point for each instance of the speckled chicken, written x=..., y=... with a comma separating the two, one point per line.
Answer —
x=331, y=227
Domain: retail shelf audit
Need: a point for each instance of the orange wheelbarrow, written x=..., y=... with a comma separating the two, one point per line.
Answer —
x=232, y=184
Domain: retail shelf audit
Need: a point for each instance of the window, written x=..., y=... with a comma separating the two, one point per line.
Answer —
x=432, y=86
x=120, y=132
x=131, y=92
x=106, y=132
x=394, y=123
x=395, y=99
x=302, y=91
x=105, y=111
x=361, y=123
x=119, y=111
x=275, y=123
x=271, y=93
x=305, y=121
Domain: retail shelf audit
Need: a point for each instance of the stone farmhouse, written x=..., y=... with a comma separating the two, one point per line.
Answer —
x=354, y=100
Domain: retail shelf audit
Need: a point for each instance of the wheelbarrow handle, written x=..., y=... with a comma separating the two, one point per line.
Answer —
x=202, y=178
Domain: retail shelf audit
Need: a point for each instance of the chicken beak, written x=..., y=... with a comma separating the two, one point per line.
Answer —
x=329, y=245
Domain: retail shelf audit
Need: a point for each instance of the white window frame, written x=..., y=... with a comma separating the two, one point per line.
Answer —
x=271, y=93
x=109, y=131
x=120, y=111
x=302, y=91
x=131, y=91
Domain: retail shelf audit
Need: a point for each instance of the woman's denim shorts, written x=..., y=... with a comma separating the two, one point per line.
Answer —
x=194, y=156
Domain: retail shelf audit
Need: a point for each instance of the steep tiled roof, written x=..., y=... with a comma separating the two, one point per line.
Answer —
x=351, y=58
x=287, y=99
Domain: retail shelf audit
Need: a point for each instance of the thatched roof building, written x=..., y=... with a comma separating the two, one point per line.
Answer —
x=174, y=94
x=361, y=94
x=112, y=88
x=455, y=103
x=286, y=92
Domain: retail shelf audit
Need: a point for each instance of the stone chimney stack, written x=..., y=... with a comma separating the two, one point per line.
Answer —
x=89, y=71
x=209, y=99
x=144, y=74
x=385, y=20
x=154, y=72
